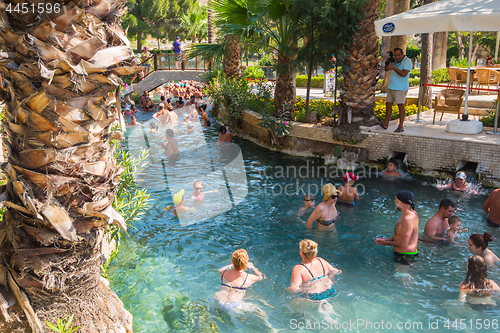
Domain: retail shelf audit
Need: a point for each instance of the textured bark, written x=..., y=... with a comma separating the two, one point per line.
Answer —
x=232, y=58
x=460, y=44
x=360, y=80
x=426, y=69
x=396, y=6
x=440, y=46
x=61, y=172
x=284, y=92
x=426, y=66
x=211, y=36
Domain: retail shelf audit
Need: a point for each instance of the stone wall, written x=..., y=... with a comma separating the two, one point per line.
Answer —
x=430, y=155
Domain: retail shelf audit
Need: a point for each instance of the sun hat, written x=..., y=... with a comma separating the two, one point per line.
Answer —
x=348, y=176
x=461, y=175
x=178, y=197
x=329, y=190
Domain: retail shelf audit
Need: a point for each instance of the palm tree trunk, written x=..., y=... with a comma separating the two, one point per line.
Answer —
x=284, y=91
x=210, y=28
x=61, y=172
x=397, y=6
x=460, y=44
x=440, y=43
x=232, y=58
x=360, y=81
x=426, y=66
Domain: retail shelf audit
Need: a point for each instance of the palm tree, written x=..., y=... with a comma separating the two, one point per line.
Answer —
x=61, y=172
x=195, y=22
x=360, y=78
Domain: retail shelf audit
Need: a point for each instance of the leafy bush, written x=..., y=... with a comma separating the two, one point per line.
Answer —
x=278, y=127
x=268, y=60
x=412, y=51
x=231, y=93
x=316, y=82
x=414, y=73
x=212, y=74
x=440, y=75
x=409, y=110
x=489, y=120
x=323, y=108
x=414, y=82
x=458, y=62
x=254, y=72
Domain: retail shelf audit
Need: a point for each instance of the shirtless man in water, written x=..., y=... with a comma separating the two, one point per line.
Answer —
x=172, y=146
x=326, y=213
x=405, y=237
x=492, y=208
x=435, y=229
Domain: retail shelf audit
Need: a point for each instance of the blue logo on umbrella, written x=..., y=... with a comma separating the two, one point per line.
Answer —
x=388, y=27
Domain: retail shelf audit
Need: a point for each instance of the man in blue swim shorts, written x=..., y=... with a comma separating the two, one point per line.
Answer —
x=405, y=237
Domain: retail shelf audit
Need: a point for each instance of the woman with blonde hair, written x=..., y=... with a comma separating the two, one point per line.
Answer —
x=312, y=277
x=476, y=284
x=234, y=280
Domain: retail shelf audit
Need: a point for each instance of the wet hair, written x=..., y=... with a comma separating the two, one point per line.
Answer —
x=170, y=133
x=133, y=117
x=240, y=259
x=476, y=273
x=393, y=161
x=204, y=107
x=192, y=96
x=481, y=241
x=197, y=182
x=309, y=248
x=206, y=122
x=454, y=220
x=445, y=203
x=162, y=98
x=222, y=129
x=161, y=106
x=309, y=196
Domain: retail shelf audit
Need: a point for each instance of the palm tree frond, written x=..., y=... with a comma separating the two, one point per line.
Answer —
x=208, y=52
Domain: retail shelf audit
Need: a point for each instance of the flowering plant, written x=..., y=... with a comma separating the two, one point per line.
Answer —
x=268, y=60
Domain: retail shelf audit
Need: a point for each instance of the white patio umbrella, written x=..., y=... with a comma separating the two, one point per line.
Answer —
x=445, y=15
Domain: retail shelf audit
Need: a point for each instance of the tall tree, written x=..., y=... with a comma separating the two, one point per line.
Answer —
x=360, y=78
x=62, y=176
x=326, y=26
x=394, y=7
x=426, y=66
x=440, y=46
x=194, y=22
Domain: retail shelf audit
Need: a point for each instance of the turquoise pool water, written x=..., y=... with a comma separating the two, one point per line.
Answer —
x=167, y=271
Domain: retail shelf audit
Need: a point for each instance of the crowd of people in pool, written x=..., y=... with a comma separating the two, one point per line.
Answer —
x=312, y=278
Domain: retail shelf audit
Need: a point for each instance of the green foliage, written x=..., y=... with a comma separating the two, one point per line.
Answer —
x=195, y=22
x=268, y=59
x=412, y=51
x=380, y=84
x=458, y=62
x=63, y=325
x=316, y=82
x=130, y=201
x=254, y=72
x=414, y=73
x=104, y=267
x=380, y=110
x=414, y=82
x=212, y=74
x=322, y=107
x=489, y=119
x=440, y=75
x=279, y=126
x=231, y=93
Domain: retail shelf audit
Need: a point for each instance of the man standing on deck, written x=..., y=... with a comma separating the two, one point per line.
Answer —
x=177, y=51
x=399, y=83
x=492, y=208
x=435, y=229
x=405, y=236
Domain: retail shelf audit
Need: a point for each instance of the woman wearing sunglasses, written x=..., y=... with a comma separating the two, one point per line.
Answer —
x=326, y=213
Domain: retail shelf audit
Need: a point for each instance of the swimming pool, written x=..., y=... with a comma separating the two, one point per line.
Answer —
x=167, y=271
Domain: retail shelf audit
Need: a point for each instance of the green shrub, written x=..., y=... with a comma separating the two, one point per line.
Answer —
x=458, y=62
x=268, y=60
x=440, y=75
x=489, y=119
x=414, y=82
x=412, y=51
x=414, y=73
x=316, y=82
x=323, y=108
x=254, y=72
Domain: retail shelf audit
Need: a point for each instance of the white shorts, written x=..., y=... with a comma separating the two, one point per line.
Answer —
x=396, y=96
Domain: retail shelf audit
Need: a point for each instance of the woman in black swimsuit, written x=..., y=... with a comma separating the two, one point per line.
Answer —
x=326, y=213
x=234, y=281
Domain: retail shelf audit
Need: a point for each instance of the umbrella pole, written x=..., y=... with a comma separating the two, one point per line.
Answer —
x=465, y=116
x=496, y=115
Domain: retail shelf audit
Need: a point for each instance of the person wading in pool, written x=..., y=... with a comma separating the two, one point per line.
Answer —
x=492, y=208
x=172, y=146
x=349, y=193
x=405, y=237
x=435, y=229
x=326, y=213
